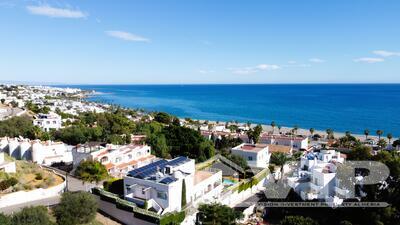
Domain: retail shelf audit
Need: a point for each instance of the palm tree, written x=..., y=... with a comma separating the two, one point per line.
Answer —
x=379, y=133
x=279, y=159
x=273, y=126
x=312, y=131
x=329, y=133
x=366, y=133
x=295, y=128
x=389, y=137
x=279, y=128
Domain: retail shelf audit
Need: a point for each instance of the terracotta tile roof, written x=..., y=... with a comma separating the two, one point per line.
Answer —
x=109, y=166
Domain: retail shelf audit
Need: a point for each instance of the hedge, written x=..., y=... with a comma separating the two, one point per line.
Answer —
x=173, y=218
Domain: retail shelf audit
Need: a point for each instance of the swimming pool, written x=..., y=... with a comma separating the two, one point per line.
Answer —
x=228, y=182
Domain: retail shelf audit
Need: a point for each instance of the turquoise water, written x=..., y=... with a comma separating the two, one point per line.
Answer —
x=341, y=107
x=228, y=182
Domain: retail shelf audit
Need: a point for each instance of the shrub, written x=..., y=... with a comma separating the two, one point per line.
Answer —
x=5, y=184
x=39, y=176
x=32, y=216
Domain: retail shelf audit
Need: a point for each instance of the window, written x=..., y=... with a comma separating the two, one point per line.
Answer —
x=250, y=158
x=161, y=195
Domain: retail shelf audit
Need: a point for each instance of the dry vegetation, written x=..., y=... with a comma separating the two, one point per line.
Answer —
x=30, y=176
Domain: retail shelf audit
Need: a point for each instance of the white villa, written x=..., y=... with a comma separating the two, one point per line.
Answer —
x=120, y=159
x=48, y=121
x=160, y=185
x=7, y=167
x=295, y=142
x=41, y=152
x=316, y=177
x=256, y=155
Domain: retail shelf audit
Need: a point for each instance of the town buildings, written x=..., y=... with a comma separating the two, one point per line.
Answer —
x=120, y=159
x=48, y=122
x=41, y=152
x=316, y=177
x=167, y=185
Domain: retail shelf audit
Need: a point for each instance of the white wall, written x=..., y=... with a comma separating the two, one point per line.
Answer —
x=20, y=197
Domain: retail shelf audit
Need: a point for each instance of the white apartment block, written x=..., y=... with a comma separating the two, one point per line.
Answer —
x=41, y=152
x=160, y=185
x=120, y=159
x=316, y=177
x=295, y=142
x=256, y=155
x=7, y=167
x=48, y=121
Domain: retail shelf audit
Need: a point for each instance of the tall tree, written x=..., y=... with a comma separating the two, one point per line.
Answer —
x=379, y=133
x=76, y=208
x=273, y=126
x=366, y=133
x=389, y=137
x=91, y=171
x=329, y=133
x=312, y=131
x=279, y=159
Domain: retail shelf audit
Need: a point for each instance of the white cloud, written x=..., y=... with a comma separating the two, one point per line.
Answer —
x=369, y=60
x=292, y=62
x=126, y=36
x=267, y=67
x=46, y=10
x=316, y=60
x=255, y=69
x=384, y=53
x=206, y=71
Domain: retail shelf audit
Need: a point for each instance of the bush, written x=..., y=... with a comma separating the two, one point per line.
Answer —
x=115, y=186
x=297, y=220
x=76, y=208
x=4, y=219
x=39, y=176
x=173, y=218
x=5, y=184
x=32, y=216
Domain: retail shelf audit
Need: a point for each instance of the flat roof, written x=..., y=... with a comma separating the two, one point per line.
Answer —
x=201, y=175
x=251, y=147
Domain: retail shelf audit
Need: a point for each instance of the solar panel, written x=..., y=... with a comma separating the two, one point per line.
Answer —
x=144, y=168
x=177, y=161
x=168, y=180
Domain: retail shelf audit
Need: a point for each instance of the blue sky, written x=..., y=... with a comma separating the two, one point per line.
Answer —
x=200, y=41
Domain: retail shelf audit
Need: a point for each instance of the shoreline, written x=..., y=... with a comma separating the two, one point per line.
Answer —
x=266, y=127
x=303, y=131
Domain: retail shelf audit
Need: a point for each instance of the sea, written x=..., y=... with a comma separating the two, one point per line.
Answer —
x=341, y=107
